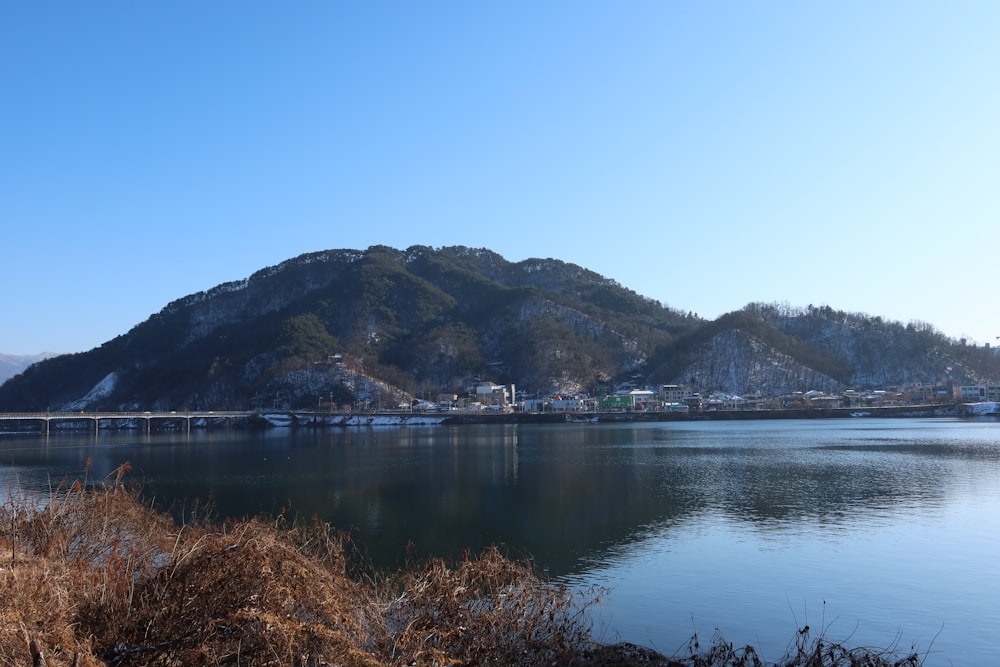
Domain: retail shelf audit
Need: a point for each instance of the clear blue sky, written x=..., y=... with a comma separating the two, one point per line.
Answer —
x=704, y=154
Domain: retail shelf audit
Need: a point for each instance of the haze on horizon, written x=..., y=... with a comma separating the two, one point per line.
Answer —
x=706, y=156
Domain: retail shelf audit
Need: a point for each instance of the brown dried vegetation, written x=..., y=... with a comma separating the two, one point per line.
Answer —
x=92, y=576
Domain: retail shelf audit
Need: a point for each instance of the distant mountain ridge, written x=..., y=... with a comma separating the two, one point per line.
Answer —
x=12, y=364
x=384, y=326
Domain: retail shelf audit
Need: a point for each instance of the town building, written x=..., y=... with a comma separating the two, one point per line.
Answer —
x=673, y=393
x=495, y=396
x=978, y=393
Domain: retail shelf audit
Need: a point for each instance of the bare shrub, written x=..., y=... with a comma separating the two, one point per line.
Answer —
x=486, y=611
x=246, y=596
x=74, y=549
x=807, y=650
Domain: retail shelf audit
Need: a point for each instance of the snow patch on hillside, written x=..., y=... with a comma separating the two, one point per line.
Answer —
x=100, y=391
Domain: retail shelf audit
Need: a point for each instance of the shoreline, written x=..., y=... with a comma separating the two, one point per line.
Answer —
x=94, y=422
x=932, y=410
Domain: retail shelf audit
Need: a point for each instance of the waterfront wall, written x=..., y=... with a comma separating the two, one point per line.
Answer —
x=83, y=422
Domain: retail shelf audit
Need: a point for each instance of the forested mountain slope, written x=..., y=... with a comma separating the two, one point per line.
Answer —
x=412, y=322
x=382, y=326
x=774, y=349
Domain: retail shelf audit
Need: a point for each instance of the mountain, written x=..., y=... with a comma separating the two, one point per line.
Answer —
x=384, y=326
x=12, y=364
x=773, y=350
x=404, y=323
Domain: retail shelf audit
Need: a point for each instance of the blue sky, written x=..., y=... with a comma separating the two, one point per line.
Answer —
x=706, y=155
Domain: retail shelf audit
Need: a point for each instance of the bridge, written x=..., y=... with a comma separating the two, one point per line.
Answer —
x=45, y=420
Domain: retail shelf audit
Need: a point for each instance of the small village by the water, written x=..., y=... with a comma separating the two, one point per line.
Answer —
x=495, y=403
x=681, y=399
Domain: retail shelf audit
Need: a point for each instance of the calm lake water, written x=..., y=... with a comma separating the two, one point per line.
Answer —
x=880, y=532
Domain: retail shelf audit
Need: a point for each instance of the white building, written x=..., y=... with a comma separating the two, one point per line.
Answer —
x=979, y=393
x=489, y=394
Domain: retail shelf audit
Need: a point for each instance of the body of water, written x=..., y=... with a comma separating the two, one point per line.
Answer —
x=877, y=532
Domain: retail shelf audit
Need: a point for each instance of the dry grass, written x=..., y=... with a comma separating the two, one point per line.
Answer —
x=484, y=611
x=78, y=550
x=93, y=576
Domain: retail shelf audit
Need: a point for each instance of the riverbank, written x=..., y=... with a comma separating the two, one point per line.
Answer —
x=300, y=419
x=936, y=410
x=92, y=577
x=188, y=420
